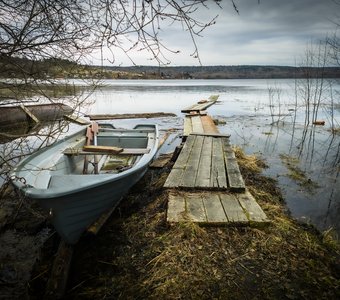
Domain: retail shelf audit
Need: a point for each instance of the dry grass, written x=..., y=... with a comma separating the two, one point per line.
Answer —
x=298, y=175
x=139, y=256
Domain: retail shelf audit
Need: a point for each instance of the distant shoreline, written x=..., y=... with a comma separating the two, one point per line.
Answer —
x=64, y=69
x=224, y=72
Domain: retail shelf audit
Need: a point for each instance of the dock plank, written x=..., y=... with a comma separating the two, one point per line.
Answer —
x=187, y=126
x=235, y=179
x=253, y=209
x=236, y=182
x=76, y=119
x=175, y=177
x=195, y=208
x=176, y=208
x=190, y=172
x=204, y=167
x=183, y=157
x=208, y=124
x=201, y=106
x=214, y=97
x=233, y=209
x=197, y=124
x=218, y=172
x=214, y=209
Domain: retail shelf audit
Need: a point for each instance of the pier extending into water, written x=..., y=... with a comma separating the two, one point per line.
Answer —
x=205, y=184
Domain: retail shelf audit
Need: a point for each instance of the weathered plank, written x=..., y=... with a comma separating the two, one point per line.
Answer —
x=95, y=227
x=183, y=157
x=190, y=172
x=214, y=97
x=125, y=151
x=201, y=106
x=235, y=179
x=130, y=116
x=208, y=124
x=214, y=209
x=195, y=208
x=187, y=126
x=253, y=210
x=221, y=135
x=233, y=209
x=201, y=124
x=76, y=119
x=56, y=285
x=197, y=124
x=176, y=208
x=174, y=178
x=204, y=167
x=218, y=172
x=106, y=149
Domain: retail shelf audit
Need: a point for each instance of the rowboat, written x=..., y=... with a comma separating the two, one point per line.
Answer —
x=21, y=115
x=82, y=176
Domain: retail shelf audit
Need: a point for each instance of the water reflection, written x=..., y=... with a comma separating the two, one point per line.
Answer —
x=245, y=106
x=315, y=199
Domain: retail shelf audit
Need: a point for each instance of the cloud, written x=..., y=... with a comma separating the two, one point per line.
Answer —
x=271, y=32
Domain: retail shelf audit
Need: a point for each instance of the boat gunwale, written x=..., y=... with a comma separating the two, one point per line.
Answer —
x=102, y=179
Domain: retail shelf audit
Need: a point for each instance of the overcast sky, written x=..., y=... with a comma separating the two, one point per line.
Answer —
x=272, y=32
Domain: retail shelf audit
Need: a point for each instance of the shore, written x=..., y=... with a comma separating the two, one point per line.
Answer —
x=138, y=255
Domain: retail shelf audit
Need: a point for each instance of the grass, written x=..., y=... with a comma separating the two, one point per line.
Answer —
x=138, y=255
x=298, y=175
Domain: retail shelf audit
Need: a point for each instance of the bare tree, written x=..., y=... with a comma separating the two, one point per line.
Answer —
x=35, y=35
x=38, y=29
x=38, y=34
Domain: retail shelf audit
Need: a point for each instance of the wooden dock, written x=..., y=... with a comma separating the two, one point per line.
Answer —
x=205, y=184
x=201, y=105
x=206, y=162
x=216, y=208
x=198, y=123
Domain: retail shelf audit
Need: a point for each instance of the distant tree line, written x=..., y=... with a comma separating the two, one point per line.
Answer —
x=63, y=68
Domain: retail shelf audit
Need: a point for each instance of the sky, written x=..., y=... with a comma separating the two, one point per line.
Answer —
x=265, y=32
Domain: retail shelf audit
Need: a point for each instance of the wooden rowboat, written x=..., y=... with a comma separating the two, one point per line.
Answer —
x=112, y=159
x=20, y=115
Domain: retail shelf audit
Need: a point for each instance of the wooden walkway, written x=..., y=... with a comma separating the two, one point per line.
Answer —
x=198, y=123
x=205, y=184
x=215, y=208
x=201, y=105
x=206, y=162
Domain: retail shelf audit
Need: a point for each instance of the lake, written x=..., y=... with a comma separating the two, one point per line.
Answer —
x=265, y=117
x=247, y=108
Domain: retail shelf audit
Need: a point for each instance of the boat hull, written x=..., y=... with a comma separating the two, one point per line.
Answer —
x=14, y=115
x=74, y=200
x=73, y=213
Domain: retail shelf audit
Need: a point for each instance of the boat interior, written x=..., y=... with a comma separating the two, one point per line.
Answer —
x=68, y=162
x=106, y=162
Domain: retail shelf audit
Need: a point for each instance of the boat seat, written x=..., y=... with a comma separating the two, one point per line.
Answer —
x=72, y=180
x=42, y=179
x=127, y=141
x=99, y=151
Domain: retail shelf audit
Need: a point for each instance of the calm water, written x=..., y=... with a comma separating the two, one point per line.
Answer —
x=246, y=107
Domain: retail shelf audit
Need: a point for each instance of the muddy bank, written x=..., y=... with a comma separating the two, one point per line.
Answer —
x=23, y=234
x=138, y=255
